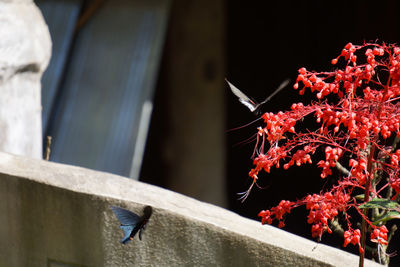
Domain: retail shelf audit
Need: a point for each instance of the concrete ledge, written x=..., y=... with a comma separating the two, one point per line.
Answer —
x=54, y=214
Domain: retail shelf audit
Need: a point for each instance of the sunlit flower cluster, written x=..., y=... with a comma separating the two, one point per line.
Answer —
x=354, y=126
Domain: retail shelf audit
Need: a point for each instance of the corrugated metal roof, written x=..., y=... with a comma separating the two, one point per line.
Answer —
x=60, y=17
x=111, y=74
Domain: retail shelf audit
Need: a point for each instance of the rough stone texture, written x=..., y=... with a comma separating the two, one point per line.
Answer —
x=56, y=214
x=25, y=48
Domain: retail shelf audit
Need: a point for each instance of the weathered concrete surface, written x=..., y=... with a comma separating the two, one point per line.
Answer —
x=53, y=213
x=25, y=49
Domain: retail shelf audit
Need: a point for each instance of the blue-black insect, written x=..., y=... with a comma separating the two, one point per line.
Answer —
x=131, y=223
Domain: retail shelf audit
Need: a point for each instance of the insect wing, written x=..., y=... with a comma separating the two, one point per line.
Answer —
x=242, y=97
x=126, y=217
x=127, y=229
x=248, y=104
x=283, y=85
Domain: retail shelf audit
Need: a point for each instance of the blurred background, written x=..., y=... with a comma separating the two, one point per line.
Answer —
x=136, y=88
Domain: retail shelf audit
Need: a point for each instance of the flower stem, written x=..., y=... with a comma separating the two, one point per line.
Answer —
x=366, y=199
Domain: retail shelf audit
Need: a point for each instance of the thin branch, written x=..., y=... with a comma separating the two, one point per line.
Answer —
x=48, y=144
x=342, y=169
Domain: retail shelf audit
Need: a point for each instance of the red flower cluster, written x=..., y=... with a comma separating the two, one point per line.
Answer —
x=379, y=235
x=324, y=208
x=353, y=237
x=332, y=155
x=279, y=124
x=395, y=184
x=359, y=170
x=354, y=128
x=277, y=213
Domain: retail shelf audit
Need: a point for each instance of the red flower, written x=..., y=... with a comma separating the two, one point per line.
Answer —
x=353, y=237
x=357, y=111
x=379, y=235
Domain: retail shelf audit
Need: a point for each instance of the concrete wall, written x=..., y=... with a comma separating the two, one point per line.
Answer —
x=59, y=215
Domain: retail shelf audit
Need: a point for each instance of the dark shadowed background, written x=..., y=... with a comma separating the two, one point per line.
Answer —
x=267, y=42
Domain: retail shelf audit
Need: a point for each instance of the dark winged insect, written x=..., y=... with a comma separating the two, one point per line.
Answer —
x=253, y=105
x=131, y=223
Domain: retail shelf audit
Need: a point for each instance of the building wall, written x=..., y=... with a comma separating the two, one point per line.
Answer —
x=186, y=145
x=60, y=215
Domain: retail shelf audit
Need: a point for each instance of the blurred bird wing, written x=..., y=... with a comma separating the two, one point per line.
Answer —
x=242, y=97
